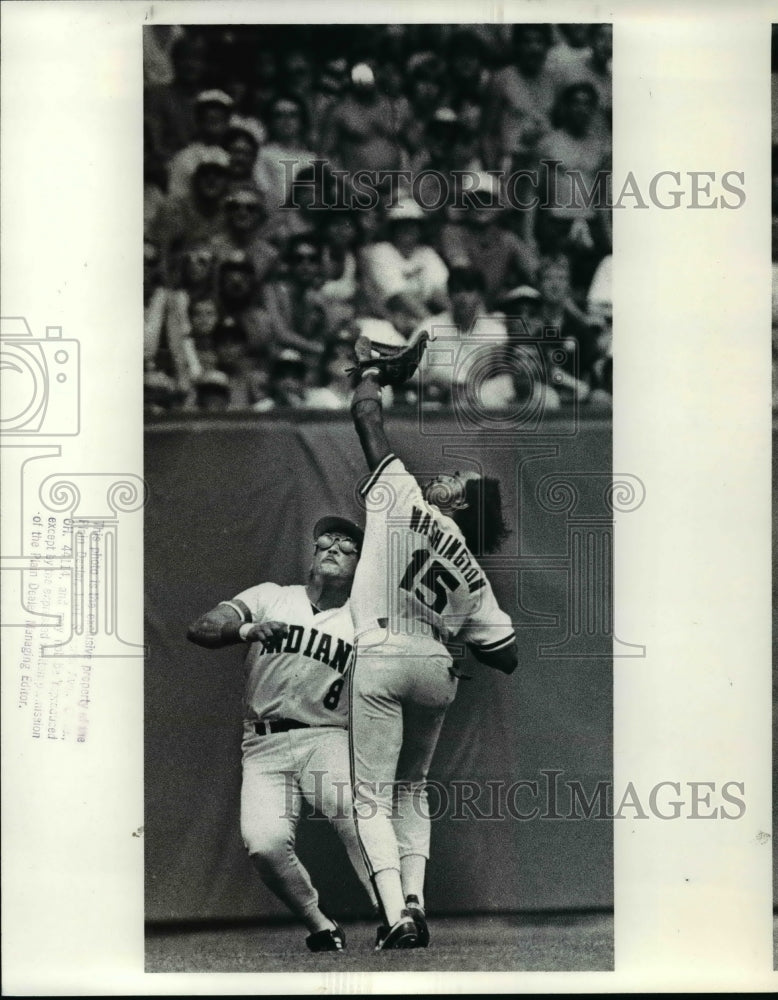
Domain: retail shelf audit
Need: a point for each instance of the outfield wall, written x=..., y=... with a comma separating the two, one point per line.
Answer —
x=231, y=504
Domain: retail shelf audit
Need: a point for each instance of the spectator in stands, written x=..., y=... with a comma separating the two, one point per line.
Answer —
x=599, y=298
x=259, y=385
x=402, y=268
x=198, y=272
x=466, y=57
x=570, y=47
x=160, y=394
x=466, y=153
x=154, y=182
x=520, y=100
x=525, y=372
x=243, y=140
x=295, y=317
x=288, y=377
x=158, y=41
x=263, y=84
x=571, y=221
x=260, y=388
x=233, y=267
x=185, y=222
x=335, y=389
x=296, y=78
x=427, y=91
x=243, y=232
x=235, y=358
x=155, y=300
x=474, y=238
x=573, y=336
x=286, y=153
x=592, y=64
x=470, y=328
x=169, y=109
x=339, y=237
x=213, y=391
x=435, y=146
x=600, y=372
x=391, y=83
x=192, y=350
x=165, y=329
x=239, y=301
x=362, y=132
x=203, y=321
x=212, y=117
x=330, y=87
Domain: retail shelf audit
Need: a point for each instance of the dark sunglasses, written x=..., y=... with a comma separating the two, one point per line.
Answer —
x=346, y=545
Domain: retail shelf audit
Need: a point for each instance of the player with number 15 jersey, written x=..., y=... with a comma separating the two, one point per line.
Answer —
x=427, y=573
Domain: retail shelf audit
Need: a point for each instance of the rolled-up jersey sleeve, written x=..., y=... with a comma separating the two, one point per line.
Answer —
x=252, y=604
x=489, y=629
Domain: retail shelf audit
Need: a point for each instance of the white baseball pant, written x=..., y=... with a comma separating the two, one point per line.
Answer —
x=281, y=770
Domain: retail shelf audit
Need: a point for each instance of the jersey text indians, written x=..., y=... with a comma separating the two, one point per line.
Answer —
x=335, y=652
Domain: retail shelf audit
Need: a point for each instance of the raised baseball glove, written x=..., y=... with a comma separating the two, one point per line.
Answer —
x=391, y=365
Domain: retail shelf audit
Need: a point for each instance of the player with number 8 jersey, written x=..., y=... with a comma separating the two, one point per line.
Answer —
x=300, y=648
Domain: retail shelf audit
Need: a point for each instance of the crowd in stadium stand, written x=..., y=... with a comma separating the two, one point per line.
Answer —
x=306, y=184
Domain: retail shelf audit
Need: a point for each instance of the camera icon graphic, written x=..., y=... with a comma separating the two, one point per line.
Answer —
x=40, y=381
x=503, y=384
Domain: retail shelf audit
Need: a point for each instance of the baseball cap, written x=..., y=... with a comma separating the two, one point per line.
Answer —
x=239, y=260
x=289, y=361
x=521, y=292
x=445, y=116
x=244, y=195
x=214, y=97
x=213, y=156
x=341, y=526
x=362, y=75
x=248, y=126
x=403, y=210
x=486, y=189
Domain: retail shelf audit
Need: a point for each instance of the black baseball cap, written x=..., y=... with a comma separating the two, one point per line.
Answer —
x=341, y=526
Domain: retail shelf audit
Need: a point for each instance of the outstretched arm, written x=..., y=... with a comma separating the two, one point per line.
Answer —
x=222, y=626
x=368, y=416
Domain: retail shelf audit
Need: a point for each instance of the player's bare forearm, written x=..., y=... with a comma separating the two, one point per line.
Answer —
x=505, y=660
x=218, y=628
x=368, y=417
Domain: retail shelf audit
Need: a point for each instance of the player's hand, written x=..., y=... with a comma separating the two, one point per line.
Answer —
x=264, y=631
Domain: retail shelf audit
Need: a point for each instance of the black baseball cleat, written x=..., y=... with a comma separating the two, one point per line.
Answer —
x=417, y=914
x=327, y=940
x=403, y=934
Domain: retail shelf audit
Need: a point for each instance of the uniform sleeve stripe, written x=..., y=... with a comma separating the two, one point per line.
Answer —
x=489, y=647
x=371, y=480
x=241, y=608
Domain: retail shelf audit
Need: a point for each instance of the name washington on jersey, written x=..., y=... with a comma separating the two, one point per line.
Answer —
x=449, y=547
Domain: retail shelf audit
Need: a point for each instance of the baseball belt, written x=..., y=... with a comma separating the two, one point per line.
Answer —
x=264, y=727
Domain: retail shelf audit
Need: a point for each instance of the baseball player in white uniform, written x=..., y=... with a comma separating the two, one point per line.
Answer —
x=295, y=746
x=418, y=585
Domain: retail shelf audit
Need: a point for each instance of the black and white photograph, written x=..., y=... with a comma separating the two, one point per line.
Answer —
x=377, y=377
x=386, y=554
